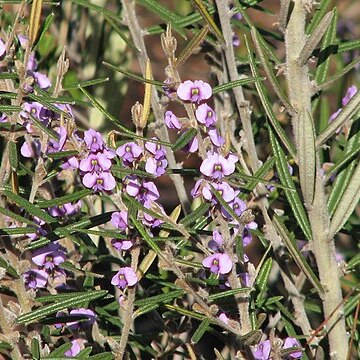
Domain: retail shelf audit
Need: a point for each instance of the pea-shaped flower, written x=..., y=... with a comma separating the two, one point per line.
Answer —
x=218, y=263
x=125, y=277
x=194, y=91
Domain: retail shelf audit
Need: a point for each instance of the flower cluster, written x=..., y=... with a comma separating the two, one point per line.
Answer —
x=263, y=350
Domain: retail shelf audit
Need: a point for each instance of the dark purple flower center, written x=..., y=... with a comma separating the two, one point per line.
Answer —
x=48, y=258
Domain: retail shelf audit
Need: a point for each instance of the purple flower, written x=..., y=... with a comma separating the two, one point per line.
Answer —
x=194, y=91
x=42, y=80
x=262, y=350
x=99, y=181
x=147, y=191
x=93, y=140
x=246, y=235
x=192, y=146
x=129, y=152
x=237, y=205
x=150, y=220
x=155, y=149
x=122, y=244
x=67, y=209
x=351, y=91
x=218, y=263
x=172, y=121
x=35, y=279
x=205, y=115
x=156, y=167
x=125, y=277
x=120, y=219
x=216, y=166
x=76, y=346
x=71, y=163
x=224, y=189
x=245, y=279
x=224, y=318
x=2, y=48
x=215, y=137
x=95, y=162
x=89, y=315
x=31, y=149
x=292, y=342
x=217, y=241
x=235, y=40
x=57, y=145
x=49, y=256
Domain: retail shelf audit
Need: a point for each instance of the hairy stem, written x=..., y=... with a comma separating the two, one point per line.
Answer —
x=137, y=35
x=324, y=249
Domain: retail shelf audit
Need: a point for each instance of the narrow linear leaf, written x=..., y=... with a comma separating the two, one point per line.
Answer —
x=207, y=17
x=42, y=312
x=349, y=45
x=35, y=349
x=44, y=28
x=268, y=106
x=85, y=84
x=227, y=293
x=133, y=76
x=284, y=14
x=61, y=297
x=285, y=178
x=29, y=207
x=13, y=155
x=184, y=139
x=17, y=231
x=314, y=39
x=165, y=14
x=147, y=97
x=62, y=154
x=40, y=125
x=268, y=70
x=191, y=46
x=5, y=75
x=195, y=215
x=354, y=262
x=319, y=14
x=200, y=331
x=296, y=254
x=8, y=109
x=106, y=113
x=232, y=84
x=349, y=200
x=345, y=115
x=64, y=199
x=15, y=216
x=157, y=299
x=263, y=275
x=49, y=103
x=306, y=155
x=8, y=268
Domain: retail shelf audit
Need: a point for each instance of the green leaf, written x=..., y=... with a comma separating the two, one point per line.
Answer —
x=62, y=154
x=286, y=179
x=232, y=84
x=165, y=14
x=306, y=155
x=8, y=268
x=17, y=231
x=349, y=45
x=184, y=139
x=191, y=46
x=296, y=254
x=200, y=331
x=349, y=200
x=263, y=275
x=340, y=184
x=29, y=207
x=87, y=83
x=207, y=17
x=13, y=155
x=345, y=115
x=35, y=349
x=268, y=106
x=268, y=69
x=16, y=217
x=195, y=214
x=319, y=14
x=48, y=102
x=102, y=356
x=133, y=76
x=160, y=299
x=8, y=109
x=354, y=262
x=44, y=28
x=64, y=199
x=105, y=112
x=227, y=293
x=4, y=76
x=42, y=312
x=189, y=313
